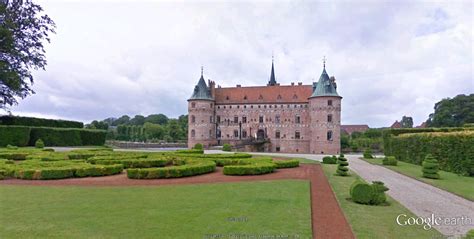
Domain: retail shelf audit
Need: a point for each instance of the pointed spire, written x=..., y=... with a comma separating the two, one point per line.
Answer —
x=325, y=86
x=201, y=90
x=272, y=80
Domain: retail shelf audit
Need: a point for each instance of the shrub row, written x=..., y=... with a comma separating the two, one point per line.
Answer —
x=68, y=172
x=454, y=150
x=27, y=136
x=226, y=156
x=236, y=161
x=190, y=151
x=38, y=122
x=249, y=169
x=389, y=134
x=286, y=163
x=190, y=169
x=135, y=163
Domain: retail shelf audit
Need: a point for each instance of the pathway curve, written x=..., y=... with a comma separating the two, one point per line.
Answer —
x=422, y=199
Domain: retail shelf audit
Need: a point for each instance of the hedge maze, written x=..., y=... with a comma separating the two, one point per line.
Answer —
x=42, y=164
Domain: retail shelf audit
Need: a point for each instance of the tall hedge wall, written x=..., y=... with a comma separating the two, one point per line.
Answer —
x=27, y=136
x=37, y=122
x=388, y=134
x=14, y=135
x=454, y=150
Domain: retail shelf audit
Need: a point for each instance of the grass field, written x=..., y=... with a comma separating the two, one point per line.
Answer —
x=190, y=211
x=451, y=182
x=373, y=221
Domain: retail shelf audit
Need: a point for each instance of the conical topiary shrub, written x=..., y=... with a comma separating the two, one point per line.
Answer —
x=430, y=167
x=342, y=169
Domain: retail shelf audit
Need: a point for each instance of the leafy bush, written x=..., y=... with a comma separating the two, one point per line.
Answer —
x=249, y=169
x=14, y=135
x=330, y=159
x=469, y=234
x=190, y=169
x=198, y=146
x=39, y=144
x=292, y=163
x=227, y=147
x=38, y=122
x=390, y=160
x=365, y=193
x=368, y=154
x=430, y=167
x=454, y=150
x=11, y=147
x=342, y=169
x=2, y=174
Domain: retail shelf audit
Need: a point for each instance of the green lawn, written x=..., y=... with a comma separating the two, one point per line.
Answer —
x=190, y=211
x=451, y=182
x=373, y=221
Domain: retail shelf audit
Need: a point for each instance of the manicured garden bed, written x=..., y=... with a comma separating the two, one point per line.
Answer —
x=451, y=182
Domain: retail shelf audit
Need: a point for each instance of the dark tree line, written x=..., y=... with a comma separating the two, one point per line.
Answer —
x=454, y=112
x=154, y=127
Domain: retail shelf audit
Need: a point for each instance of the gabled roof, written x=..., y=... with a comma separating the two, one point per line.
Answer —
x=264, y=94
x=201, y=91
x=324, y=87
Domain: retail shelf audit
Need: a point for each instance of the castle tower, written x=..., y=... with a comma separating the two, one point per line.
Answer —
x=325, y=116
x=201, y=116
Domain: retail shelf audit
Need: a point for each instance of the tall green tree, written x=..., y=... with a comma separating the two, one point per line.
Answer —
x=407, y=122
x=23, y=30
x=453, y=112
x=157, y=119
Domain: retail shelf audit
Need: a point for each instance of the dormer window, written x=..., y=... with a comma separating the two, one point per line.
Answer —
x=295, y=97
x=260, y=97
x=279, y=97
x=245, y=97
x=227, y=97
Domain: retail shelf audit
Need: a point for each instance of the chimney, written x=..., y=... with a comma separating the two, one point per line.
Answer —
x=292, y=83
x=238, y=85
x=300, y=83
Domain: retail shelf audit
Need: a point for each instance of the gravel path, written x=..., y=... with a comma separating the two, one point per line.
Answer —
x=420, y=198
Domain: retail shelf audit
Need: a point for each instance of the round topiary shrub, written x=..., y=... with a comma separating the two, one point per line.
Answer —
x=329, y=159
x=39, y=144
x=342, y=169
x=226, y=147
x=430, y=167
x=390, y=160
x=362, y=192
x=379, y=193
x=198, y=146
x=368, y=154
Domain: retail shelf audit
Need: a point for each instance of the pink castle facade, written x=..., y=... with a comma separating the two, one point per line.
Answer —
x=292, y=118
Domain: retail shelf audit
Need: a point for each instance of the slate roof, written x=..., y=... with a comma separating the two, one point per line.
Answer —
x=349, y=129
x=201, y=91
x=324, y=87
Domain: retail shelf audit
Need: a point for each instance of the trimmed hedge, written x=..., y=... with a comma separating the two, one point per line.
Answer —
x=330, y=159
x=292, y=163
x=136, y=163
x=249, y=169
x=13, y=155
x=368, y=154
x=14, y=135
x=190, y=169
x=390, y=160
x=364, y=193
x=190, y=151
x=38, y=122
x=67, y=137
x=98, y=170
x=454, y=150
x=3, y=174
x=244, y=161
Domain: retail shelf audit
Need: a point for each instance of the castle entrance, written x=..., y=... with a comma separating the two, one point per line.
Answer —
x=260, y=134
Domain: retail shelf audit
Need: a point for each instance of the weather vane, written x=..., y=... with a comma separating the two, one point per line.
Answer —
x=202, y=70
x=324, y=61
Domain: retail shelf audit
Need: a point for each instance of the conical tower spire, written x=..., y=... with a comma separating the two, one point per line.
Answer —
x=272, y=80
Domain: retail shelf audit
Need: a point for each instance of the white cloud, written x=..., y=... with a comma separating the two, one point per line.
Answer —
x=390, y=59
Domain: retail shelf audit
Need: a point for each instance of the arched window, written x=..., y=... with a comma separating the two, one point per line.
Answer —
x=193, y=119
x=193, y=133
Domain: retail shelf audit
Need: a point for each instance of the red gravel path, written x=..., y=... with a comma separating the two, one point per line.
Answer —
x=327, y=217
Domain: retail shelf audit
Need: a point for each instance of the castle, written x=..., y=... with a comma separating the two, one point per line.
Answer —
x=292, y=118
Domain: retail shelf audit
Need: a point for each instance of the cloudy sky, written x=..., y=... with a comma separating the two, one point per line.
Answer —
x=390, y=59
